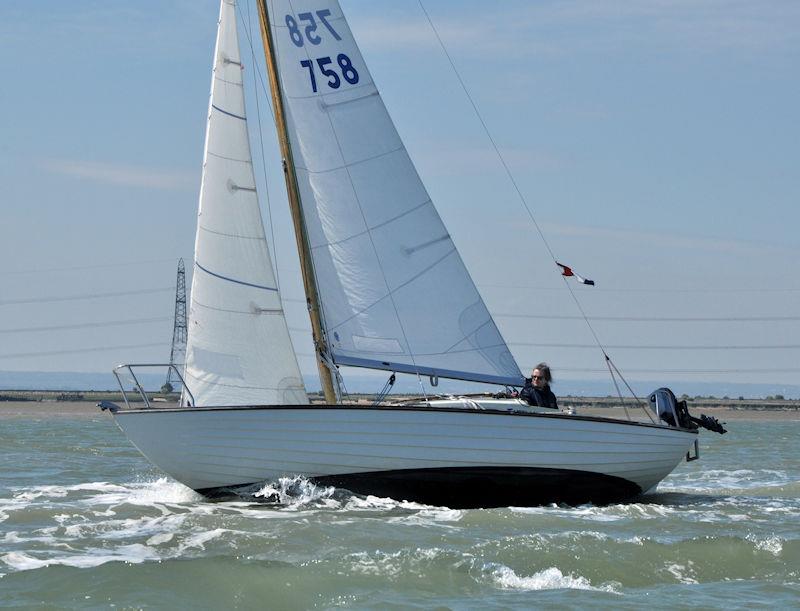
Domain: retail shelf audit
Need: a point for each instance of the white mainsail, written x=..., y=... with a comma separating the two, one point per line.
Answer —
x=238, y=346
x=394, y=292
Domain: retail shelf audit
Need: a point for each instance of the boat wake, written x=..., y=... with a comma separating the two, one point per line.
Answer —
x=295, y=492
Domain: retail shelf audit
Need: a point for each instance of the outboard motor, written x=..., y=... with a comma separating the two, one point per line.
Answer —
x=675, y=413
x=665, y=407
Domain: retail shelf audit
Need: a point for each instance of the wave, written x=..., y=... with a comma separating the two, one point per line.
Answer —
x=548, y=579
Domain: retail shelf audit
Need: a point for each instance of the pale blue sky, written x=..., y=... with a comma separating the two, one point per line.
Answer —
x=656, y=142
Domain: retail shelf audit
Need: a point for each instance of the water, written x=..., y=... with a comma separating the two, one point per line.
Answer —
x=86, y=522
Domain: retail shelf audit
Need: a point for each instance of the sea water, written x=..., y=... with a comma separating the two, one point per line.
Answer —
x=86, y=522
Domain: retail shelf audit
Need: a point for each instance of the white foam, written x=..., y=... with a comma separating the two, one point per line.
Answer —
x=31, y=494
x=135, y=554
x=159, y=539
x=718, y=480
x=200, y=539
x=548, y=579
x=607, y=513
x=382, y=566
x=296, y=492
x=773, y=544
x=22, y=562
x=153, y=493
x=678, y=571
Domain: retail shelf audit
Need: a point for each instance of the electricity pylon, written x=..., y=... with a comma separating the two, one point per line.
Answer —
x=178, y=352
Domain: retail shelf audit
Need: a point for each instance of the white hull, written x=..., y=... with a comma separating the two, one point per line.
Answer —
x=387, y=449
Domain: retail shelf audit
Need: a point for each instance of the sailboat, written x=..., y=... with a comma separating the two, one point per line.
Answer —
x=387, y=290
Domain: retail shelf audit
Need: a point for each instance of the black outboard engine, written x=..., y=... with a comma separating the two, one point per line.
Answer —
x=675, y=413
x=665, y=407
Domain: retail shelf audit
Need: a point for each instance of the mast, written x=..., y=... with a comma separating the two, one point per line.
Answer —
x=301, y=235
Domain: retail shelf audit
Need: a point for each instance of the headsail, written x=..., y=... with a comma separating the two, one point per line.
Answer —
x=395, y=293
x=238, y=348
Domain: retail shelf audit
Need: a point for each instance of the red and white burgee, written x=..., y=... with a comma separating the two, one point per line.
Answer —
x=567, y=271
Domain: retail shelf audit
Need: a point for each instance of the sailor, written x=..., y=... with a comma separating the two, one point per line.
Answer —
x=537, y=388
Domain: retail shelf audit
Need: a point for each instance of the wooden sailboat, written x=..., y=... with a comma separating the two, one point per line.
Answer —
x=386, y=289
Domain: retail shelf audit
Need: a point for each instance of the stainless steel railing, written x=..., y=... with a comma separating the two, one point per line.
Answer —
x=186, y=394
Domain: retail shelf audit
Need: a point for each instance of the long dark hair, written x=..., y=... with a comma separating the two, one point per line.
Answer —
x=544, y=369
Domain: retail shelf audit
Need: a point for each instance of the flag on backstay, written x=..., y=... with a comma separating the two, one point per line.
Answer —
x=567, y=271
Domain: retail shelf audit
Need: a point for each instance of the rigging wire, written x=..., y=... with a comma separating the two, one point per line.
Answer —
x=256, y=71
x=508, y=172
x=387, y=388
x=612, y=368
x=522, y=199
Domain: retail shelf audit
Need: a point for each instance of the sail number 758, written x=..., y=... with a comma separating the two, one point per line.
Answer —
x=310, y=27
x=346, y=68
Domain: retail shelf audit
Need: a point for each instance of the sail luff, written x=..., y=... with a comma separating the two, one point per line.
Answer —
x=301, y=234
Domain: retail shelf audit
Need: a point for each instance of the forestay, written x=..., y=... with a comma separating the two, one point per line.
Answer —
x=394, y=291
x=238, y=349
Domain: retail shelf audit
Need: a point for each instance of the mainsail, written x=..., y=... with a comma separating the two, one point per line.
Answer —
x=394, y=292
x=238, y=347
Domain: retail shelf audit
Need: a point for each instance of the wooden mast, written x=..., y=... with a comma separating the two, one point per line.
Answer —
x=309, y=280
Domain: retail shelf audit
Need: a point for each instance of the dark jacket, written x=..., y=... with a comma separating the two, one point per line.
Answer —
x=534, y=396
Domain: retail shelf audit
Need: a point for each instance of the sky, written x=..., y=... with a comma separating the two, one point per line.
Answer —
x=656, y=144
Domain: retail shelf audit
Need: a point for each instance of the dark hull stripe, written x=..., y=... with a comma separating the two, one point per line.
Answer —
x=479, y=487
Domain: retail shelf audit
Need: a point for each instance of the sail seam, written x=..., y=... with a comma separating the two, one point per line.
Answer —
x=467, y=336
x=320, y=96
x=234, y=280
x=217, y=383
x=226, y=81
x=230, y=114
x=378, y=226
x=325, y=105
x=244, y=312
x=218, y=156
x=391, y=292
x=352, y=163
x=233, y=235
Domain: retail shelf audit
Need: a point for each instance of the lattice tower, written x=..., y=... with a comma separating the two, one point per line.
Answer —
x=178, y=352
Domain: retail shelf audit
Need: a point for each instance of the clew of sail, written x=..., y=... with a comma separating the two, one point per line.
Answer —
x=394, y=292
x=238, y=346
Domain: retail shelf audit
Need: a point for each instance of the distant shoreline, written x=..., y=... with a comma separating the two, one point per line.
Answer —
x=777, y=402
x=89, y=409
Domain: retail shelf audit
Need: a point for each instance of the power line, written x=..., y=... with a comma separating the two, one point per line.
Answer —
x=654, y=318
x=641, y=290
x=20, y=355
x=52, y=299
x=643, y=347
x=685, y=371
x=42, y=270
x=88, y=325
